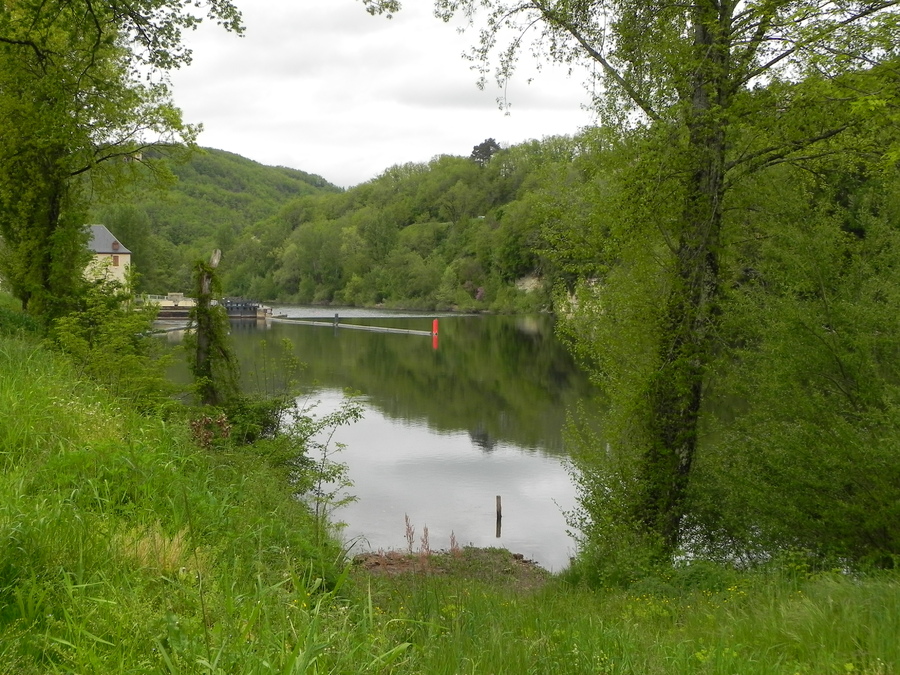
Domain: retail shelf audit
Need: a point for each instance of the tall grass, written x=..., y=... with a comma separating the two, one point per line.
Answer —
x=126, y=548
x=763, y=623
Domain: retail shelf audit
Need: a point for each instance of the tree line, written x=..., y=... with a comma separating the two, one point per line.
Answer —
x=453, y=232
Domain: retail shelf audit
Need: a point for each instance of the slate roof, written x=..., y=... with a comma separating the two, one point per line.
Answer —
x=103, y=241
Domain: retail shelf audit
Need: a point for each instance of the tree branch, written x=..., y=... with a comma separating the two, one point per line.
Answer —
x=816, y=37
x=777, y=152
x=40, y=53
x=744, y=59
x=556, y=18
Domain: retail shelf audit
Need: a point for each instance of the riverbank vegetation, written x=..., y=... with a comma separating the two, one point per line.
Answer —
x=128, y=545
x=728, y=246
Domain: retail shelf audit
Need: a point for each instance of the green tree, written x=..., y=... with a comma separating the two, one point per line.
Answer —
x=132, y=226
x=807, y=381
x=680, y=76
x=482, y=153
x=110, y=340
x=82, y=94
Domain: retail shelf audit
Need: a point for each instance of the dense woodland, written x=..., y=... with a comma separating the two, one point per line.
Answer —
x=203, y=201
x=722, y=253
x=455, y=232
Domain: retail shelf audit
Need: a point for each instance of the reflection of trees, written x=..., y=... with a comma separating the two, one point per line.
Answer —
x=482, y=439
x=501, y=379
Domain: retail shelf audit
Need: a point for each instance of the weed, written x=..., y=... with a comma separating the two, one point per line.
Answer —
x=410, y=534
x=424, y=547
x=208, y=430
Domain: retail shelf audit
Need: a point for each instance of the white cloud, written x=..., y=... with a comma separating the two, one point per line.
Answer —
x=321, y=86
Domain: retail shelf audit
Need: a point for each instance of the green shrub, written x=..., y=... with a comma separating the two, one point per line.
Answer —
x=13, y=322
x=111, y=342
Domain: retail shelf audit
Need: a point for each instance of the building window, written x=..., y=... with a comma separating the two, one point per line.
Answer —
x=115, y=261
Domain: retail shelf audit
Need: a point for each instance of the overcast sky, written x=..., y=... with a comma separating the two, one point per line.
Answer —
x=320, y=85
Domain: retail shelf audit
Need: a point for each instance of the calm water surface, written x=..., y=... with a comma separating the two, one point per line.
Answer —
x=445, y=430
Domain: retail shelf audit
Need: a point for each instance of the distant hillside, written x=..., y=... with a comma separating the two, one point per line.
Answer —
x=236, y=189
x=454, y=233
x=215, y=197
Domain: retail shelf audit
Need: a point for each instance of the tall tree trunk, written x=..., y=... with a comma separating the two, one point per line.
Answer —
x=33, y=250
x=674, y=394
x=43, y=235
x=213, y=365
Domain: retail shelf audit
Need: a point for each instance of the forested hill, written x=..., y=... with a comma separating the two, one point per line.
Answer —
x=455, y=232
x=216, y=195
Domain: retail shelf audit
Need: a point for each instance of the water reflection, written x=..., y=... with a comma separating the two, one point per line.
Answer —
x=483, y=439
x=447, y=482
x=445, y=430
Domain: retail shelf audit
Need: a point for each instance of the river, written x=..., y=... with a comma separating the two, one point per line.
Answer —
x=445, y=430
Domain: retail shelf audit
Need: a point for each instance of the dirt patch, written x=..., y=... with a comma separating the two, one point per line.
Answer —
x=491, y=565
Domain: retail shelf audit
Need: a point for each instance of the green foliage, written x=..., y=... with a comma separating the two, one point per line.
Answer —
x=483, y=152
x=613, y=551
x=110, y=341
x=318, y=476
x=697, y=619
x=421, y=236
x=809, y=378
x=799, y=404
x=13, y=321
x=212, y=364
x=212, y=198
x=705, y=97
x=252, y=419
x=125, y=548
x=77, y=105
x=132, y=226
x=292, y=237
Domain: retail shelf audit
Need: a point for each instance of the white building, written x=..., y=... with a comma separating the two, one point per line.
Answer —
x=111, y=258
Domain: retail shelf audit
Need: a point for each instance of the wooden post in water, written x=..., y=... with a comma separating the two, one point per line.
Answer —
x=499, y=516
x=434, y=334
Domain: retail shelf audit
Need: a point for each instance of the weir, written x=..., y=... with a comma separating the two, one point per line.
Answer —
x=351, y=326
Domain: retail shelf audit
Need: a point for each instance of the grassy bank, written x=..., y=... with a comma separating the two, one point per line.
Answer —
x=700, y=620
x=126, y=548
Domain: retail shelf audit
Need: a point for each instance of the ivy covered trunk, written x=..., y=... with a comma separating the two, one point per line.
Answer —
x=42, y=230
x=204, y=325
x=674, y=392
x=213, y=365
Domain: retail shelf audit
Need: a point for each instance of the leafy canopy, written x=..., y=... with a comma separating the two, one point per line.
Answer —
x=82, y=93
